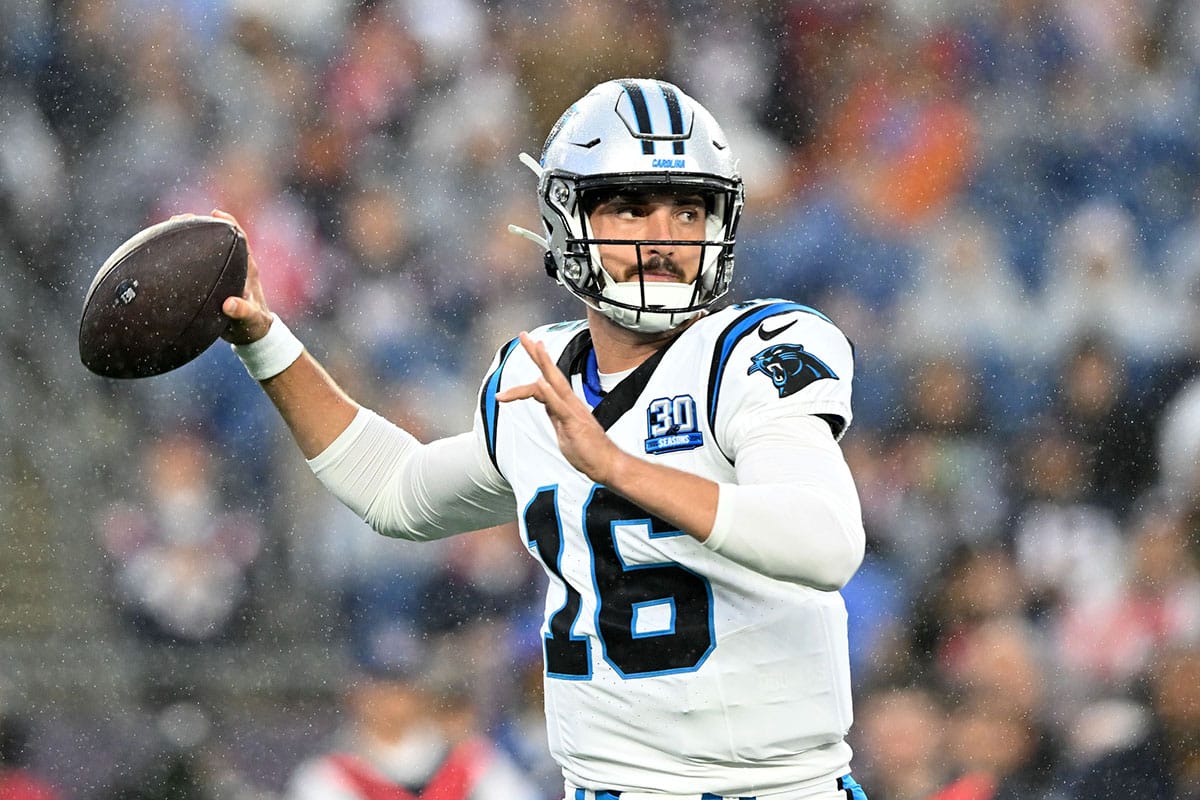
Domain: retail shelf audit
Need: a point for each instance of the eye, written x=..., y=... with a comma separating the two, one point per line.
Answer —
x=629, y=211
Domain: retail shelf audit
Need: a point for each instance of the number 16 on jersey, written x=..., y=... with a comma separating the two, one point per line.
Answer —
x=651, y=619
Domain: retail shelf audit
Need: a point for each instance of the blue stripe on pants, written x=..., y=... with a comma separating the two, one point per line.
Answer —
x=851, y=788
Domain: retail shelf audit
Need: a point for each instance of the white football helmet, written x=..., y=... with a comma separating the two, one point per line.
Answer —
x=636, y=134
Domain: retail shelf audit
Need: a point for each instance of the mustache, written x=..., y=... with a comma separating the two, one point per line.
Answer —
x=660, y=263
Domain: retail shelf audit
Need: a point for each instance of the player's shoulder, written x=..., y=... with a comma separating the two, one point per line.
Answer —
x=775, y=354
x=772, y=326
x=752, y=312
x=511, y=358
x=558, y=335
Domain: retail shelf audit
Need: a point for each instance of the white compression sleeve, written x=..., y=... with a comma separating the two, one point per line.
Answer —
x=410, y=490
x=794, y=513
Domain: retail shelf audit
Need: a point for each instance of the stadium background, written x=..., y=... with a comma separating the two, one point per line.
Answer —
x=997, y=201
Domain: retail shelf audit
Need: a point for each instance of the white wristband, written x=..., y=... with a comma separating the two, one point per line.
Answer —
x=271, y=354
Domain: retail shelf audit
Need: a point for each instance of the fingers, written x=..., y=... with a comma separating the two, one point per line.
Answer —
x=225, y=215
x=580, y=438
x=552, y=390
x=236, y=308
x=550, y=371
x=253, y=289
x=537, y=390
x=216, y=212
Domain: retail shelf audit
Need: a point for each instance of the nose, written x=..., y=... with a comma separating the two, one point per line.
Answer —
x=658, y=227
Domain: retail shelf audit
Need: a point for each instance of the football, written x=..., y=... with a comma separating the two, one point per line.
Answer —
x=156, y=302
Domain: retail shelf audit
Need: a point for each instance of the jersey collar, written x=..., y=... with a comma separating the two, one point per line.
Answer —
x=579, y=358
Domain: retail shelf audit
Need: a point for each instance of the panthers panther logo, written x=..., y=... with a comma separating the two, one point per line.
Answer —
x=790, y=367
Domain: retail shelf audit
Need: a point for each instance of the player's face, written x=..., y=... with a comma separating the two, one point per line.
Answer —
x=652, y=218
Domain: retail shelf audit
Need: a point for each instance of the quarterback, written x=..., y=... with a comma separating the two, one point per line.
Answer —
x=674, y=468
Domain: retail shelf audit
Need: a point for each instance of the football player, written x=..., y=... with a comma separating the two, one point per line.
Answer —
x=675, y=469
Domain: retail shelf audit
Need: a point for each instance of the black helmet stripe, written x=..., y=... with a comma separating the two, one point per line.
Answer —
x=641, y=112
x=675, y=113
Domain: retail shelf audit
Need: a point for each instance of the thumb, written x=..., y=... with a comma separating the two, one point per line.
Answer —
x=236, y=308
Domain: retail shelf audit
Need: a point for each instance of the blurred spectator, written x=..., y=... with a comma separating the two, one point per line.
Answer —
x=561, y=52
x=520, y=727
x=996, y=754
x=84, y=82
x=1066, y=547
x=264, y=84
x=464, y=159
x=879, y=596
x=17, y=780
x=1097, y=404
x=411, y=731
x=374, y=81
x=999, y=742
x=246, y=178
x=945, y=447
x=1019, y=52
x=1166, y=763
x=964, y=298
x=903, y=142
x=381, y=246
x=1109, y=634
x=33, y=178
x=973, y=589
x=495, y=571
x=902, y=733
x=997, y=664
x=822, y=49
x=1180, y=271
x=180, y=561
x=877, y=599
x=818, y=244
x=1097, y=281
x=1179, y=447
x=184, y=761
x=385, y=589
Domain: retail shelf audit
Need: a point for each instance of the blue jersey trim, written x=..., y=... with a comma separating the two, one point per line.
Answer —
x=728, y=340
x=489, y=406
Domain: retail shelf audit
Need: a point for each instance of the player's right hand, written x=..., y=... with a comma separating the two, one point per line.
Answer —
x=581, y=438
x=249, y=313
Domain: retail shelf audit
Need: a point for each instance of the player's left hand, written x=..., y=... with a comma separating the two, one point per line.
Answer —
x=581, y=438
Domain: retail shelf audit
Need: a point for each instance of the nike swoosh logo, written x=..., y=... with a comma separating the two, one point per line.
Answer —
x=767, y=335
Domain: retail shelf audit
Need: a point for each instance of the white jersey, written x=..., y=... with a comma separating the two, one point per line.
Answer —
x=670, y=668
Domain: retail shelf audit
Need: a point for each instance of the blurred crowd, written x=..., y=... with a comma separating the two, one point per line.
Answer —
x=998, y=201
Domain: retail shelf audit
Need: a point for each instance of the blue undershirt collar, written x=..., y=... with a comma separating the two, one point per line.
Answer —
x=592, y=390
